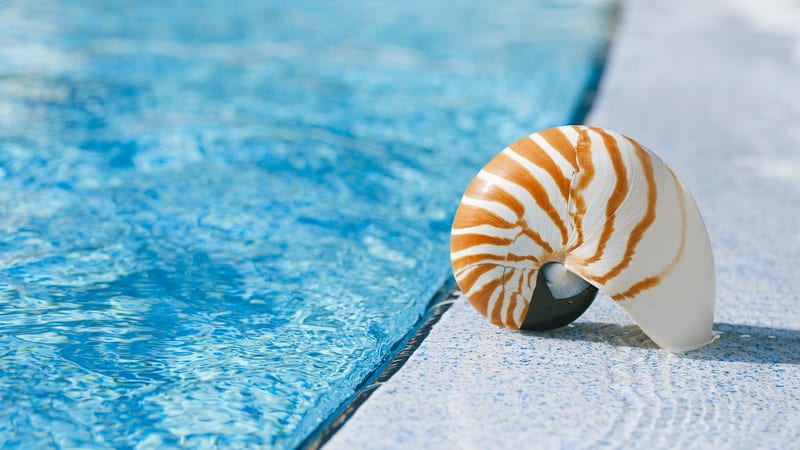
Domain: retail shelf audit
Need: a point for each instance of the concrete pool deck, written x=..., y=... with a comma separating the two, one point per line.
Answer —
x=714, y=89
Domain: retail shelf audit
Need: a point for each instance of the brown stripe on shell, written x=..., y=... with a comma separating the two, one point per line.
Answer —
x=532, y=280
x=514, y=324
x=512, y=305
x=498, y=305
x=461, y=242
x=616, y=198
x=467, y=261
x=510, y=301
x=480, y=299
x=532, y=274
x=653, y=281
x=506, y=167
x=483, y=189
x=532, y=152
x=583, y=154
x=536, y=237
x=649, y=216
x=469, y=216
x=559, y=141
x=467, y=282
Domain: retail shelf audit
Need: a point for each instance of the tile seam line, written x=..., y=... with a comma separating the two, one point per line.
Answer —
x=446, y=295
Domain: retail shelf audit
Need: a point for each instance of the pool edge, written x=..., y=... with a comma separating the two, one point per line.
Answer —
x=400, y=352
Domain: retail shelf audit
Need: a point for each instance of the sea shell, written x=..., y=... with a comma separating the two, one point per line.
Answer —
x=569, y=210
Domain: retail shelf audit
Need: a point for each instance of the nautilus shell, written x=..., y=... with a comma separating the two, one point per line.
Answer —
x=566, y=211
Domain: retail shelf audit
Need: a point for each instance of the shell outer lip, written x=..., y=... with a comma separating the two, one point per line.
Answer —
x=546, y=312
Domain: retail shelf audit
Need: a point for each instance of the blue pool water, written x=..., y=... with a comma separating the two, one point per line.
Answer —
x=217, y=217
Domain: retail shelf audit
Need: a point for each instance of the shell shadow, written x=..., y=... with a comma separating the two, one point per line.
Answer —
x=735, y=343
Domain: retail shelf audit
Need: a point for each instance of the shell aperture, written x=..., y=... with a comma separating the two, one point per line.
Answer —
x=556, y=303
x=609, y=212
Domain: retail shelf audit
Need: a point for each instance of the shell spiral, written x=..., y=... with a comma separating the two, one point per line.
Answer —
x=607, y=209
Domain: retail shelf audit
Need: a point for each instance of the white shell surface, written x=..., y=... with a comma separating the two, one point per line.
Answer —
x=678, y=313
x=607, y=208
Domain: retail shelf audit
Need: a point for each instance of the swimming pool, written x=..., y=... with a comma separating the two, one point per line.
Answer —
x=218, y=218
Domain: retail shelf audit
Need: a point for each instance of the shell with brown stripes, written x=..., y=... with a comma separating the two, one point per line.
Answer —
x=608, y=210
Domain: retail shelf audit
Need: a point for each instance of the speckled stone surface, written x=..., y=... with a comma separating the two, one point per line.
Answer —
x=714, y=89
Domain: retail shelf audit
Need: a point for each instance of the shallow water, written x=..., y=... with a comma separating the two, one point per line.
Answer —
x=216, y=218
